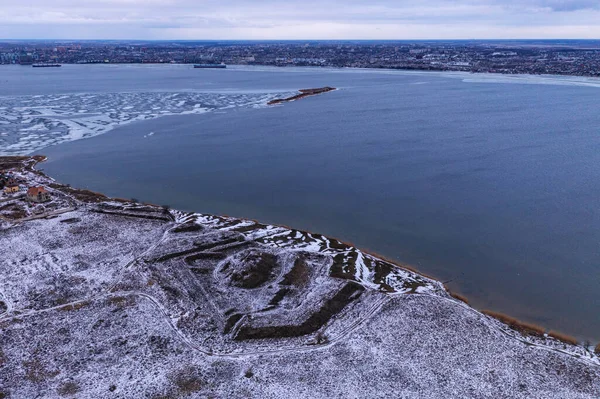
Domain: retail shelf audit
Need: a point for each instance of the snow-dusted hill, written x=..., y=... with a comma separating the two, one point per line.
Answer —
x=104, y=298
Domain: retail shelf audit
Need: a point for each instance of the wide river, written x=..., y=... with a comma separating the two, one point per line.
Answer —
x=488, y=182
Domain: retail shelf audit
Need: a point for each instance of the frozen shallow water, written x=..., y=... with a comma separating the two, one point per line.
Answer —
x=29, y=123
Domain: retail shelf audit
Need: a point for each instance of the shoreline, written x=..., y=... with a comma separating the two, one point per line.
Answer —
x=515, y=324
x=402, y=265
x=317, y=67
x=166, y=297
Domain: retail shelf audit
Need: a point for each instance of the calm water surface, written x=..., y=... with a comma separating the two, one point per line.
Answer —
x=493, y=186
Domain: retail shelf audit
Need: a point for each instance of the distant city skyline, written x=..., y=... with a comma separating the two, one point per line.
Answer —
x=294, y=19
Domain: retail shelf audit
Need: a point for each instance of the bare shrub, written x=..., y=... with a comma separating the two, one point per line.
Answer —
x=460, y=297
x=68, y=388
x=187, y=380
x=456, y=295
x=122, y=302
x=321, y=338
x=74, y=306
x=36, y=371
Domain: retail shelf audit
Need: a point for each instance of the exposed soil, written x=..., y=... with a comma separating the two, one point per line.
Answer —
x=197, y=249
x=299, y=275
x=11, y=162
x=234, y=318
x=71, y=220
x=279, y=295
x=204, y=255
x=257, y=270
x=187, y=228
x=330, y=308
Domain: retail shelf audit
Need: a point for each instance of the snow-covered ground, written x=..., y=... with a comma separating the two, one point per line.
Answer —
x=124, y=300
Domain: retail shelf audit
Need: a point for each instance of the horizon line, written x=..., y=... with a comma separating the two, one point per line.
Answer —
x=304, y=40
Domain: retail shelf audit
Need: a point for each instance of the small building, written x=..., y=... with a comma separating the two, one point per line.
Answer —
x=38, y=194
x=11, y=186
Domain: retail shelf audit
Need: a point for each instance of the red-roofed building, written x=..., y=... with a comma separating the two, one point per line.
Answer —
x=38, y=194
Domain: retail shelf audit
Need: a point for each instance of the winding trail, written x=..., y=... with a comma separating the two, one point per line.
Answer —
x=354, y=326
x=112, y=291
x=494, y=325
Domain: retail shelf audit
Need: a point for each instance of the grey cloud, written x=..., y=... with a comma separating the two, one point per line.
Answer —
x=293, y=18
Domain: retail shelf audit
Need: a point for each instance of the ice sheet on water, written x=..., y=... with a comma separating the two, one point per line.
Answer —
x=534, y=79
x=29, y=123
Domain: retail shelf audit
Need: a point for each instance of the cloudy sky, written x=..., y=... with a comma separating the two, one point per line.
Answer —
x=298, y=19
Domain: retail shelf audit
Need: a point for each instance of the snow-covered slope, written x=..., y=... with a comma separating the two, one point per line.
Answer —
x=103, y=298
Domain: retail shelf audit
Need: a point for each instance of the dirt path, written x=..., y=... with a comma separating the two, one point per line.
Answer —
x=45, y=215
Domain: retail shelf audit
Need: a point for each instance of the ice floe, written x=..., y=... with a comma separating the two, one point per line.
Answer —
x=30, y=123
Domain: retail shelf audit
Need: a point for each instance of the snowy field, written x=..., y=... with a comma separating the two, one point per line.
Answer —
x=29, y=123
x=124, y=300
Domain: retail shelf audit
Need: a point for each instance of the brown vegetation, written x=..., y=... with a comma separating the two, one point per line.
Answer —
x=13, y=212
x=71, y=220
x=520, y=326
x=457, y=295
x=198, y=247
x=122, y=301
x=12, y=162
x=299, y=275
x=252, y=227
x=460, y=297
x=563, y=337
x=75, y=306
x=36, y=371
x=341, y=269
x=231, y=321
x=279, y=295
x=330, y=308
x=80, y=194
x=204, y=255
x=68, y=388
x=597, y=349
x=187, y=381
x=187, y=228
x=131, y=215
x=257, y=270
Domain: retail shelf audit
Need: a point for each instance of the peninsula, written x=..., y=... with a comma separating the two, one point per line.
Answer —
x=105, y=297
x=303, y=93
